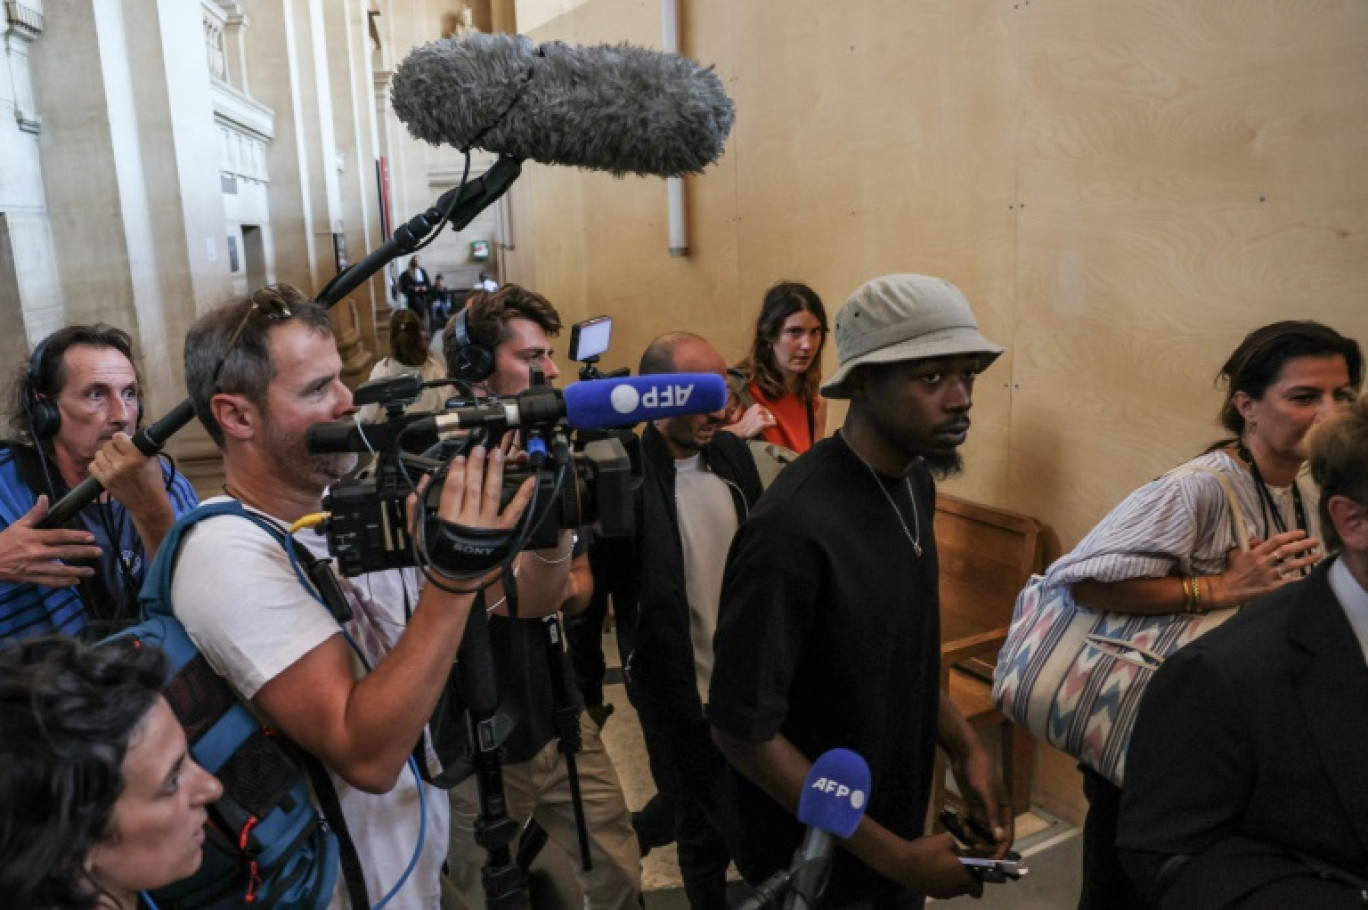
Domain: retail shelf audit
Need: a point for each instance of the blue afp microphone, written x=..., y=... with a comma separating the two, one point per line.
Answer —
x=834, y=800
x=607, y=403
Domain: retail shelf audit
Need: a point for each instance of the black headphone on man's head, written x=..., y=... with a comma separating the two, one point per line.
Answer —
x=468, y=360
x=43, y=416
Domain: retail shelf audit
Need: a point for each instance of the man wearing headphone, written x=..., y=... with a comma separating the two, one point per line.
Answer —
x=493, y=345
x=73, y=409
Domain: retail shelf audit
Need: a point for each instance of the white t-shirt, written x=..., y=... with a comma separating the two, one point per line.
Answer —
x=244, y=608
x=707, y=524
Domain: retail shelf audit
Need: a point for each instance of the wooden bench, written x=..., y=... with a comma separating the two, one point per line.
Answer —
x=986, y=556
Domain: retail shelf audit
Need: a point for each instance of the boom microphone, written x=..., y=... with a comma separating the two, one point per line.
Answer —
x=613, y=108
x=834, y=799
x=149, y=441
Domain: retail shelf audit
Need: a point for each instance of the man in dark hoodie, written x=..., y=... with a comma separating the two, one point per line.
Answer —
x=698, y=486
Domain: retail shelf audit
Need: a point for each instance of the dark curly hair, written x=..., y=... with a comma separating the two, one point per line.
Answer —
x=67, y=714
x=489, y=313
x=781, y=302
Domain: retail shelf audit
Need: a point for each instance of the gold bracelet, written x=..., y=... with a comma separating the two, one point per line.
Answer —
x=1186, y=582
x=1197, y=594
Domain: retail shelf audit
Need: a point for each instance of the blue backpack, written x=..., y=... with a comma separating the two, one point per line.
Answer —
x=266, y=843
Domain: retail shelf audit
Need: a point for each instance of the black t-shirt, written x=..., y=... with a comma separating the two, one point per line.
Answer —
x=829, y=633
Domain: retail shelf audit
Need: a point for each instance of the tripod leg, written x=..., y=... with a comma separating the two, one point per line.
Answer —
x=505, y=884
x=567, y=728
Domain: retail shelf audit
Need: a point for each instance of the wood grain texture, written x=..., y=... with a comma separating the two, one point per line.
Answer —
x=1188, y=172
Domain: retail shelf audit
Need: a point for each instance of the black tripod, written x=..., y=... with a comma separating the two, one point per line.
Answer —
x=505, y=883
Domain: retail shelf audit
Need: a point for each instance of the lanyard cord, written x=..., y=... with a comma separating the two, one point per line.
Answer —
x=1267, y=507
x=128, y=586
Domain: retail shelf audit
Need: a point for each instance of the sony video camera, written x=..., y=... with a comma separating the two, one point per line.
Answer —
x=584, y=474
x=368, y=523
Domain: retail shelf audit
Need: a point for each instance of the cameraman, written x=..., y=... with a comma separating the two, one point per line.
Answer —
x=261, y=371
x=496, y=342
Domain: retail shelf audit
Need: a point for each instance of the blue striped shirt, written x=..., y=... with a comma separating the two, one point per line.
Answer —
x=1179, y=524
x=27, y=609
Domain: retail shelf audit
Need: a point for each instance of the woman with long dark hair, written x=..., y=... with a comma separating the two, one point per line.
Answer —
x=1171, y=546
x=99, y=798
x=410, y=355
x=774, y=390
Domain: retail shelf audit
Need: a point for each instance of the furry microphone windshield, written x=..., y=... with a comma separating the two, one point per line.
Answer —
x=619, y=108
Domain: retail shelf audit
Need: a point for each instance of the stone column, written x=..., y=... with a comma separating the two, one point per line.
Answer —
x=293, y=72
x=30, y=292
x=133, y=189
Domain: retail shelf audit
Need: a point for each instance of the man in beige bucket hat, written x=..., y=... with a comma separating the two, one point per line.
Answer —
x=828, y=634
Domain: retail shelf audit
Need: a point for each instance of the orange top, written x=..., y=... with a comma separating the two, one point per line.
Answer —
x=792, y=422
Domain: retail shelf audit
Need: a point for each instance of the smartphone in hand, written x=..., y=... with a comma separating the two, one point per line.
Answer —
x=995, y=871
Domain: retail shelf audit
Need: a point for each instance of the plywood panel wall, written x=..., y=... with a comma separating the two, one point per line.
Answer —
x=1121, y=188
x=1188, y=171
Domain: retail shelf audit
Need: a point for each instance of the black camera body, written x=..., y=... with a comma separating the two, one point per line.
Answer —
x=589, y=481
x=367, y=527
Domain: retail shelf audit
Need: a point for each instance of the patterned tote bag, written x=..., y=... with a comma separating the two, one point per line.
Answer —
x=1074, y=677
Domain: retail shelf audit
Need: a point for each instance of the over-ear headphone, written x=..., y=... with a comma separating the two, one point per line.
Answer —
x=469, y=361
x=43, y=416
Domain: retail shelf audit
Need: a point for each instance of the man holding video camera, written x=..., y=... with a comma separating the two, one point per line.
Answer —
x=261, y=372
x=495, y=344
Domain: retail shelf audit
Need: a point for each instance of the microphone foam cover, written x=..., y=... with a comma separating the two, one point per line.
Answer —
x=836, y=793
x=613, y=108
x=603, y=403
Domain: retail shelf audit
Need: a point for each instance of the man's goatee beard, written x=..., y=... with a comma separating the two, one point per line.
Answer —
x=945, y=466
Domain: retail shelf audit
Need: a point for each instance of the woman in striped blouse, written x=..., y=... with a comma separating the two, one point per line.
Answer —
x=1170, y=546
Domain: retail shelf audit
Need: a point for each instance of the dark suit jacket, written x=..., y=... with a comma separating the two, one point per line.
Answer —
x=1250, y=754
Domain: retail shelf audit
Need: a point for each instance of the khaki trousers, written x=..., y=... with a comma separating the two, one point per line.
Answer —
x=540, y=788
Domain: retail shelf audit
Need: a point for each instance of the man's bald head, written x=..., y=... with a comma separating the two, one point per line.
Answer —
x=685, y=352
x=681, y=352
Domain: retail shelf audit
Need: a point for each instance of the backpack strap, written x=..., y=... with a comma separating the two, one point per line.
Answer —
x=156, y=601
x=155, y=598
x=156, y=593
x=326, y=793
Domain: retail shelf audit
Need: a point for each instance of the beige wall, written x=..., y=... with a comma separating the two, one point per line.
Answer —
x=1122, y=189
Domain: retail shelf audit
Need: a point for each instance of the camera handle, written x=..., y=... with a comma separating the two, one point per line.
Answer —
x=505, y=884
x=589, y=370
